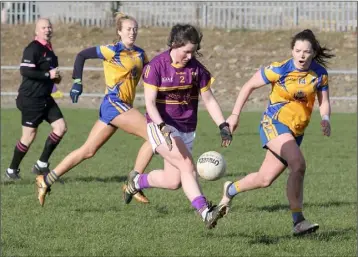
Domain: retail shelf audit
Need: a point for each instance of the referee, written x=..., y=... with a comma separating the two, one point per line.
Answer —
x=39, y=70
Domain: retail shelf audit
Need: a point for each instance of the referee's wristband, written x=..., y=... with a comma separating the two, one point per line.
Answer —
x=325, y=117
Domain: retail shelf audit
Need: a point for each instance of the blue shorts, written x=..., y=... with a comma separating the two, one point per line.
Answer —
x=111, y=107
x=271, y=128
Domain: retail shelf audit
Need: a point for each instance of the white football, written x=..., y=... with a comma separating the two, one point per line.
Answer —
x=211, y=165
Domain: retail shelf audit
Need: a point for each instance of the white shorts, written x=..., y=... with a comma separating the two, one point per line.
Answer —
x=156, y=138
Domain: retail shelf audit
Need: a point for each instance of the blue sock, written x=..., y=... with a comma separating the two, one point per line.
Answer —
x=297, y=216
x=233, y=189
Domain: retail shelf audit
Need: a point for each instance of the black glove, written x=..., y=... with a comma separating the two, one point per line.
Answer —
x=164, y=129
x=225, y=133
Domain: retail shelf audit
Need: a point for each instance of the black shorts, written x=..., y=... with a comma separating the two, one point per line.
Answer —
x=35, y=110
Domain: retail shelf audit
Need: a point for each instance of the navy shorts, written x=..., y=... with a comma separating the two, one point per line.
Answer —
x=271, y=128
x=111, y=107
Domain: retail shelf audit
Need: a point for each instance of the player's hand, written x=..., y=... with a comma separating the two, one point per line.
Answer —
x=54, y=73
x=76, y=90
x=165, y=130
x=225, y=133
x=326, y=127
x=233, y=121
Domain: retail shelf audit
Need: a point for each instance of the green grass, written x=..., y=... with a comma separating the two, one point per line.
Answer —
x=86, y=216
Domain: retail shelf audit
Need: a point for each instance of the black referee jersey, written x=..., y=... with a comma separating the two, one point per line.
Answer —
x=35, y=65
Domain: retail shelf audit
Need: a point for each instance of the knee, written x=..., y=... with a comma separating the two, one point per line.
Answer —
x=174, y=184
x=266, y=182
x=298, y=165
x=187, y=167
x=27, y=139
x=60, y=131
x=88, y=152
x=263, y=179
x=60, y=128
x=64, y=130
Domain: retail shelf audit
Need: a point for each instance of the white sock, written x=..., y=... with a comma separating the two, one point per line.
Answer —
x=10, y=171
x=203, y=214
x=42, y=164
x=136, y=181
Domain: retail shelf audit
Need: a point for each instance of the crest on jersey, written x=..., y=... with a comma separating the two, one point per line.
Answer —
x=194, y=78
x=300, y=96
x=302, y=81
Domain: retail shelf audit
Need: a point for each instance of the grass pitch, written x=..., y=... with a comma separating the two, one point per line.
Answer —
x=86, y=216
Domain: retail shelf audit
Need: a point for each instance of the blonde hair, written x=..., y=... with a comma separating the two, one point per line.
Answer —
x=119, y=18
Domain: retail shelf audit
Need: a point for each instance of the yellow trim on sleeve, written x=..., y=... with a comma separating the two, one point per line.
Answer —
x=206, y=88
x=150, y=86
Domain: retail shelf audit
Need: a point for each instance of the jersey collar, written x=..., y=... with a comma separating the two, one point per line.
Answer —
x=44, y=43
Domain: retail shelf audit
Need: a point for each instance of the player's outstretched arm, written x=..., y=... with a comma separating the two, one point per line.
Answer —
x=76, y=90
x=255, y=82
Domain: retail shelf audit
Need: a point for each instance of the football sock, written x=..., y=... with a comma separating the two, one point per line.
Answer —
x=42, y=164
x=51, y=178
x=200, y=204
x=233, y=189
x=19, y=153
x=52, y=141
x=143, y=181
x=297, y=215
x=135, y=180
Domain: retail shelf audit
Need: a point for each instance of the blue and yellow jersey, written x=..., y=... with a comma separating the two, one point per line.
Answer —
x=122, y=69
x=293, y=92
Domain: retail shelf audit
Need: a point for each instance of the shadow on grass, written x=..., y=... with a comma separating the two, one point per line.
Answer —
x=118, y=179
x=98, y=210
x=234, y=176
x=113, y=179
x=162, y=210
x=328, y=235
x=284, y=207
x=6, y=181
x=339, y=234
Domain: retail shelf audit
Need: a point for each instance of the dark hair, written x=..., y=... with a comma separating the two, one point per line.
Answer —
x=321, y=52
x=181, y=34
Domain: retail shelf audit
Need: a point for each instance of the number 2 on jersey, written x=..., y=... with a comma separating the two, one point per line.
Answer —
x=182, y=79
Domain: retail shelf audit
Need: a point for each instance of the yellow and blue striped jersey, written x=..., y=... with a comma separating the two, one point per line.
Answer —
x=293, y=92
x=122, y=69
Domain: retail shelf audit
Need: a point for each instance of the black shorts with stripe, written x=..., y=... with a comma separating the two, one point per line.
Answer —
x=34, y=110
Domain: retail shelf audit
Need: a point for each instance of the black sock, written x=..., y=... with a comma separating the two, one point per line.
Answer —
x=51, y=143
x=19, y=153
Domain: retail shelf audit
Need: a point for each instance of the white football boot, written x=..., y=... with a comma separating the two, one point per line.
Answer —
x=304, y=227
